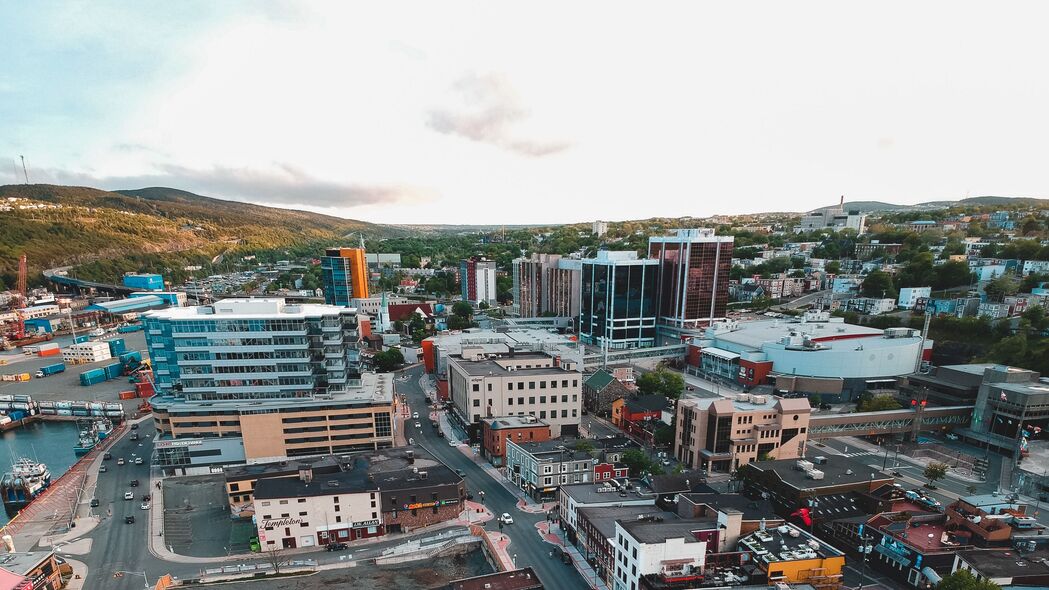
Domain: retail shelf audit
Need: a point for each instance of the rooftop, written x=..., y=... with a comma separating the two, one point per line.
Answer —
x=504, y=422
x=243, y=308
x=751, y=509
x=753, y=335
x=603, y=518
x=495, y=368
x=925, y=531
x=375, y=388
x=356, y=477
x=993, y=563
x=24, y=561
x=837, y=470
x=745, y=403
x=556, y=445
x=522, y=579
x=654, y=529
x=647, y=403
x=785, y=543
x=594, y=493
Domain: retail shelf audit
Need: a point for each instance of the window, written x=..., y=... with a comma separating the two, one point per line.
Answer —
x=510, y=386
x=234, y=487
x=509, y=401
x=520, y=401
x=542, y=399
x=564, y=413
x=283, y=502
x=302, y=500
x=542, y=414
x=338, y=508
x=489, y=387
x=477, y=387
x=575, y=382
x=302, y=514
x=336, y=499
x=477, y=403
x=531, y=385
x=564, y=383
x=338, y=518
x=542, y=385
x=553, y=384
x=564, y=399
x=531, y=400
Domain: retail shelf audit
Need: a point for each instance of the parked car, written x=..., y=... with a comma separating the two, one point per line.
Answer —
x=415, y=415
x=129, y=495
x=825, y=406
x=952, y=436
x=144, y=506
x=134, y=483
x=130, y=519
x=134, y=427
x=102, y=469
x=460, y=473
x=418, y=425
x=107, y=456
x=505, y=518
x=94, y=502
x=120, y=461
x=337, y=546
x=134, y=436
x=145, y=498
x=138, y=460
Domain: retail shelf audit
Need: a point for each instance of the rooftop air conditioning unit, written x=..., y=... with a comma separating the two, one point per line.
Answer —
x=803, y=465
x=815, y=474
x=821, y=460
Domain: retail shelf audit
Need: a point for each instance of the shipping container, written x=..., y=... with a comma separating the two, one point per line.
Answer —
x=48, y=346
x=113, y=371
x=50, y=370
x=144, y=389
x=23, y=398
x=116, y=347
x=79, y=339
x=65, y=412
x=50, y=352
x=48, y=411
x=16, y=415
x=129, y=329
x=127, y=395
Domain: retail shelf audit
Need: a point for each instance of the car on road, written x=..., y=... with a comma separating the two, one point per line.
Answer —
x=134, y=427
x=138, y=460
x=130, y=519
x=417, y=425
x=134, y=483
x=337, y=546
x=107, y=456
x=145, y=498
x=120, y=461
x=129, y=495
x=102, y=469
x=415, y=415
x=460, y=473
x=144, y=506
x=440, y=434
x=94, y=502
x=134, y=436
x=952, y=436
x=453, y=443
x=505, y=518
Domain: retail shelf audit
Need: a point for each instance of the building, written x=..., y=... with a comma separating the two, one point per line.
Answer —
x=832, y=218
x=546, y=284
x=1007, y=396
x=354, y=503
x=738, y=514
x=813, y=354
x=871, y=305
x=720, y=434
x=484, y=385
x=632, y=495
x=477, y=276
x=694, y=269
x=86, y=352
x=496, y=431
x=282, y=377
x=344, y=275
x=791, y=484
x=144, y=282
x=876, y=249
x=30, y=570
x=377, y=261
x=909, y=296
x=539, y=468
x=599, y=228
x=660, y=545
x=371, y=306
x=437, y=348
x=618, y=305
x=172, y=298
x=988, y=520
x=792, y=555
x=521, y=579
x=640, y=416
x=914, y=546
x=1005, y=568
x=601, y=390
x=594, y=533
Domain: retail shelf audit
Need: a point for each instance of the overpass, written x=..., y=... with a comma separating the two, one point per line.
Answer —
x=905, y=421
x=78, y=285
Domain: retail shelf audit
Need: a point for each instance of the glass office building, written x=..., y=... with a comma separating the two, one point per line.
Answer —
x=344, y=275
x=694, y=276
x=617, y=306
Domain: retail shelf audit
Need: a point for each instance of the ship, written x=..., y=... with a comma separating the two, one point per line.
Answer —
x=91, y=433
x=26, y=480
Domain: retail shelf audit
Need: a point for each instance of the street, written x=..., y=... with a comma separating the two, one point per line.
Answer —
x=526, y=543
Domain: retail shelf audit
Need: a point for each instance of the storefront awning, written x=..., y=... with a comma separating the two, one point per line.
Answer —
x=720, y=353
x=931, y=575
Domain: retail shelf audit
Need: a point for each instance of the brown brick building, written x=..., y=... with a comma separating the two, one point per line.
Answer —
x=496, y=431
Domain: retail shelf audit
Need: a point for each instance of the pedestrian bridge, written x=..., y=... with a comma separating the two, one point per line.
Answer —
x=888, y=421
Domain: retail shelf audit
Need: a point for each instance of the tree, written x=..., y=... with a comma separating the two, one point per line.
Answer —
x=276, y=558
x=663, y=436
x=815, y=400
x=463, y=309
x=388, y=360
x=952, y=273
x=662, y=381
x=458, y=322
x=833, y=267
x=878, y=284
x=877, y=404
x=1001, y=287
x=918, y=272
x=638, y=462
x=935, y=471
x=584, y=446
x=963, y=580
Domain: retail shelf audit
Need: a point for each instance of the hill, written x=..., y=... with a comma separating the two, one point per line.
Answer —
x=872, y=206
x=67, y=225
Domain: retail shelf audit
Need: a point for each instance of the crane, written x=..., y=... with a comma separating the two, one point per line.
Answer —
x=20, y=286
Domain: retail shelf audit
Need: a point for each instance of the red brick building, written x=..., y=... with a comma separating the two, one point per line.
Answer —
x=496, y=431
x=639, y=416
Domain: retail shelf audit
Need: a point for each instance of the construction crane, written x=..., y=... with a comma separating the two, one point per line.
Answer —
x=20, y=287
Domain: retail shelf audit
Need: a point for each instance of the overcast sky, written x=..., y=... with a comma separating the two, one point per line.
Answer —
x=531, y=112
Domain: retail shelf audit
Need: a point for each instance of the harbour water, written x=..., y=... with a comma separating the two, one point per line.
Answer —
x=49, y=442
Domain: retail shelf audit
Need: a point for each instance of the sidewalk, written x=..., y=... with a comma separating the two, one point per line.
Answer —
x=581, y=565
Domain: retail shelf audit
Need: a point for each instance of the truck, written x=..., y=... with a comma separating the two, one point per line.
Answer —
x=50, y=370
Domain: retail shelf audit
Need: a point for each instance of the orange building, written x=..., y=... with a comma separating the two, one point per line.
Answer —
x=344, y=272
x=520, y=429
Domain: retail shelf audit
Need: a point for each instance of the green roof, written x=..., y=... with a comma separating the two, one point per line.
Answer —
x=599, y=380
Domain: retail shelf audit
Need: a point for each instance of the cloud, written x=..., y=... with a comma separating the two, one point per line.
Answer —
x=282, y=185
x=488, y=110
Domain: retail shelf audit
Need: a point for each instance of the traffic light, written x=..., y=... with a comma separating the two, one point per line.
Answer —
x=924, y=401
x=914, y=402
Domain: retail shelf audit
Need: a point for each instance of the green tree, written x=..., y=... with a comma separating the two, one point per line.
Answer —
x=877, y=404
x=815, y=400
x=463, y=309
x=584, y=446
x=950, y=274
x=833, y=267
x=662, y=381
x=935, y=471
x=878, y=284
x=1001, y=287
x=388, y=360
x=458, y=322
x=963, y=580
x=638, y=462
x=664, y=435
x=918, y=272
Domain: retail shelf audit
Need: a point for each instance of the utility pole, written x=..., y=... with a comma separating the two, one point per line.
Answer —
x=24, y=171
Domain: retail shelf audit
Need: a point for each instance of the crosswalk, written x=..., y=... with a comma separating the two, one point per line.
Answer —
x=862, y=454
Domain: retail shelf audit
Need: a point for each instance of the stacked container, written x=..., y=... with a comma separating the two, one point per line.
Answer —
x=93, y=377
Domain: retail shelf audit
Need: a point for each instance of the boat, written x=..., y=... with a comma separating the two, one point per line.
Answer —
x=26, y=480
x=91, y=432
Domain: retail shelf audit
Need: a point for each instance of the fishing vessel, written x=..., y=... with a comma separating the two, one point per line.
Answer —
x=25, y=481
x=91, y=433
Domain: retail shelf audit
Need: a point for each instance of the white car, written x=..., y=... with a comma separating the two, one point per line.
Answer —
x=415, y=415
x=138, y=460
x=952, y=436
x=129, y=495
x=505, y=518
x=418, y=425
x=453, y=443
x=144, y=506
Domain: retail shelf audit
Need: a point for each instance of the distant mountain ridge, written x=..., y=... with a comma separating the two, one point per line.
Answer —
x=874, y=206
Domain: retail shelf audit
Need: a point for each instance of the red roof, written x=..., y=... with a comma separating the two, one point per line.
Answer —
x=404, y=311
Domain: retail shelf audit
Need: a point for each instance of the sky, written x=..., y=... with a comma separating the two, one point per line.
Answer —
x=531, y=112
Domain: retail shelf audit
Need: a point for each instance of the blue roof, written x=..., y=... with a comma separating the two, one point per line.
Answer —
x=129, y=305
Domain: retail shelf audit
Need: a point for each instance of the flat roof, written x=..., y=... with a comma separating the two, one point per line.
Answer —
x=24, y=561
x=376, y=388
x=491, y=367
x=837, y=470
x=752, y=335
x=242, y=308
x=785, y=543
x=603, y=518
x=504, y=422
x=751, y=509
x=522, y=579
x=1007, y=563
x=599, y=493
x=667, y=525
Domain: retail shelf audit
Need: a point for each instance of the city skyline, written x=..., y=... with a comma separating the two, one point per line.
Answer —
x=684, y=110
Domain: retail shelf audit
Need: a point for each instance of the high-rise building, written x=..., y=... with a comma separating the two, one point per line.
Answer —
x=285, y=378
x=694, y=276
x=618, y=306
x=546, y=283
x=477, y=276
x=599, y=228
x=344, y=272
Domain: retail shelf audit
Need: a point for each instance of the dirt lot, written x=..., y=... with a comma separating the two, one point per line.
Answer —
x=419, y=575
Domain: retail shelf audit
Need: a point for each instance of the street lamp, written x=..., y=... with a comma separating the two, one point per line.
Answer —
x=515, y=560
x=143, y=574
x=865, y=549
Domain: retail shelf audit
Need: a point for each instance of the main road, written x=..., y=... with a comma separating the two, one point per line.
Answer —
x=525, y=541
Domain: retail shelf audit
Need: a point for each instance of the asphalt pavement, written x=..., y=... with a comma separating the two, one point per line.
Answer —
x=526, y=544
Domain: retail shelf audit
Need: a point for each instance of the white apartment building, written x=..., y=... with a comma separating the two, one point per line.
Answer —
x=599, y=228
x=86, y=352
x=484, y=385
x=650, y=546
x=909, y=296
x=371, y=306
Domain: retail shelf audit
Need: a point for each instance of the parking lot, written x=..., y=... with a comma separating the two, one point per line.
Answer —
x=197, y=519
x=66, y=385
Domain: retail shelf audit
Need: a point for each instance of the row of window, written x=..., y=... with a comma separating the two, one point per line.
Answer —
x=531, y=400
x=531, y=384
